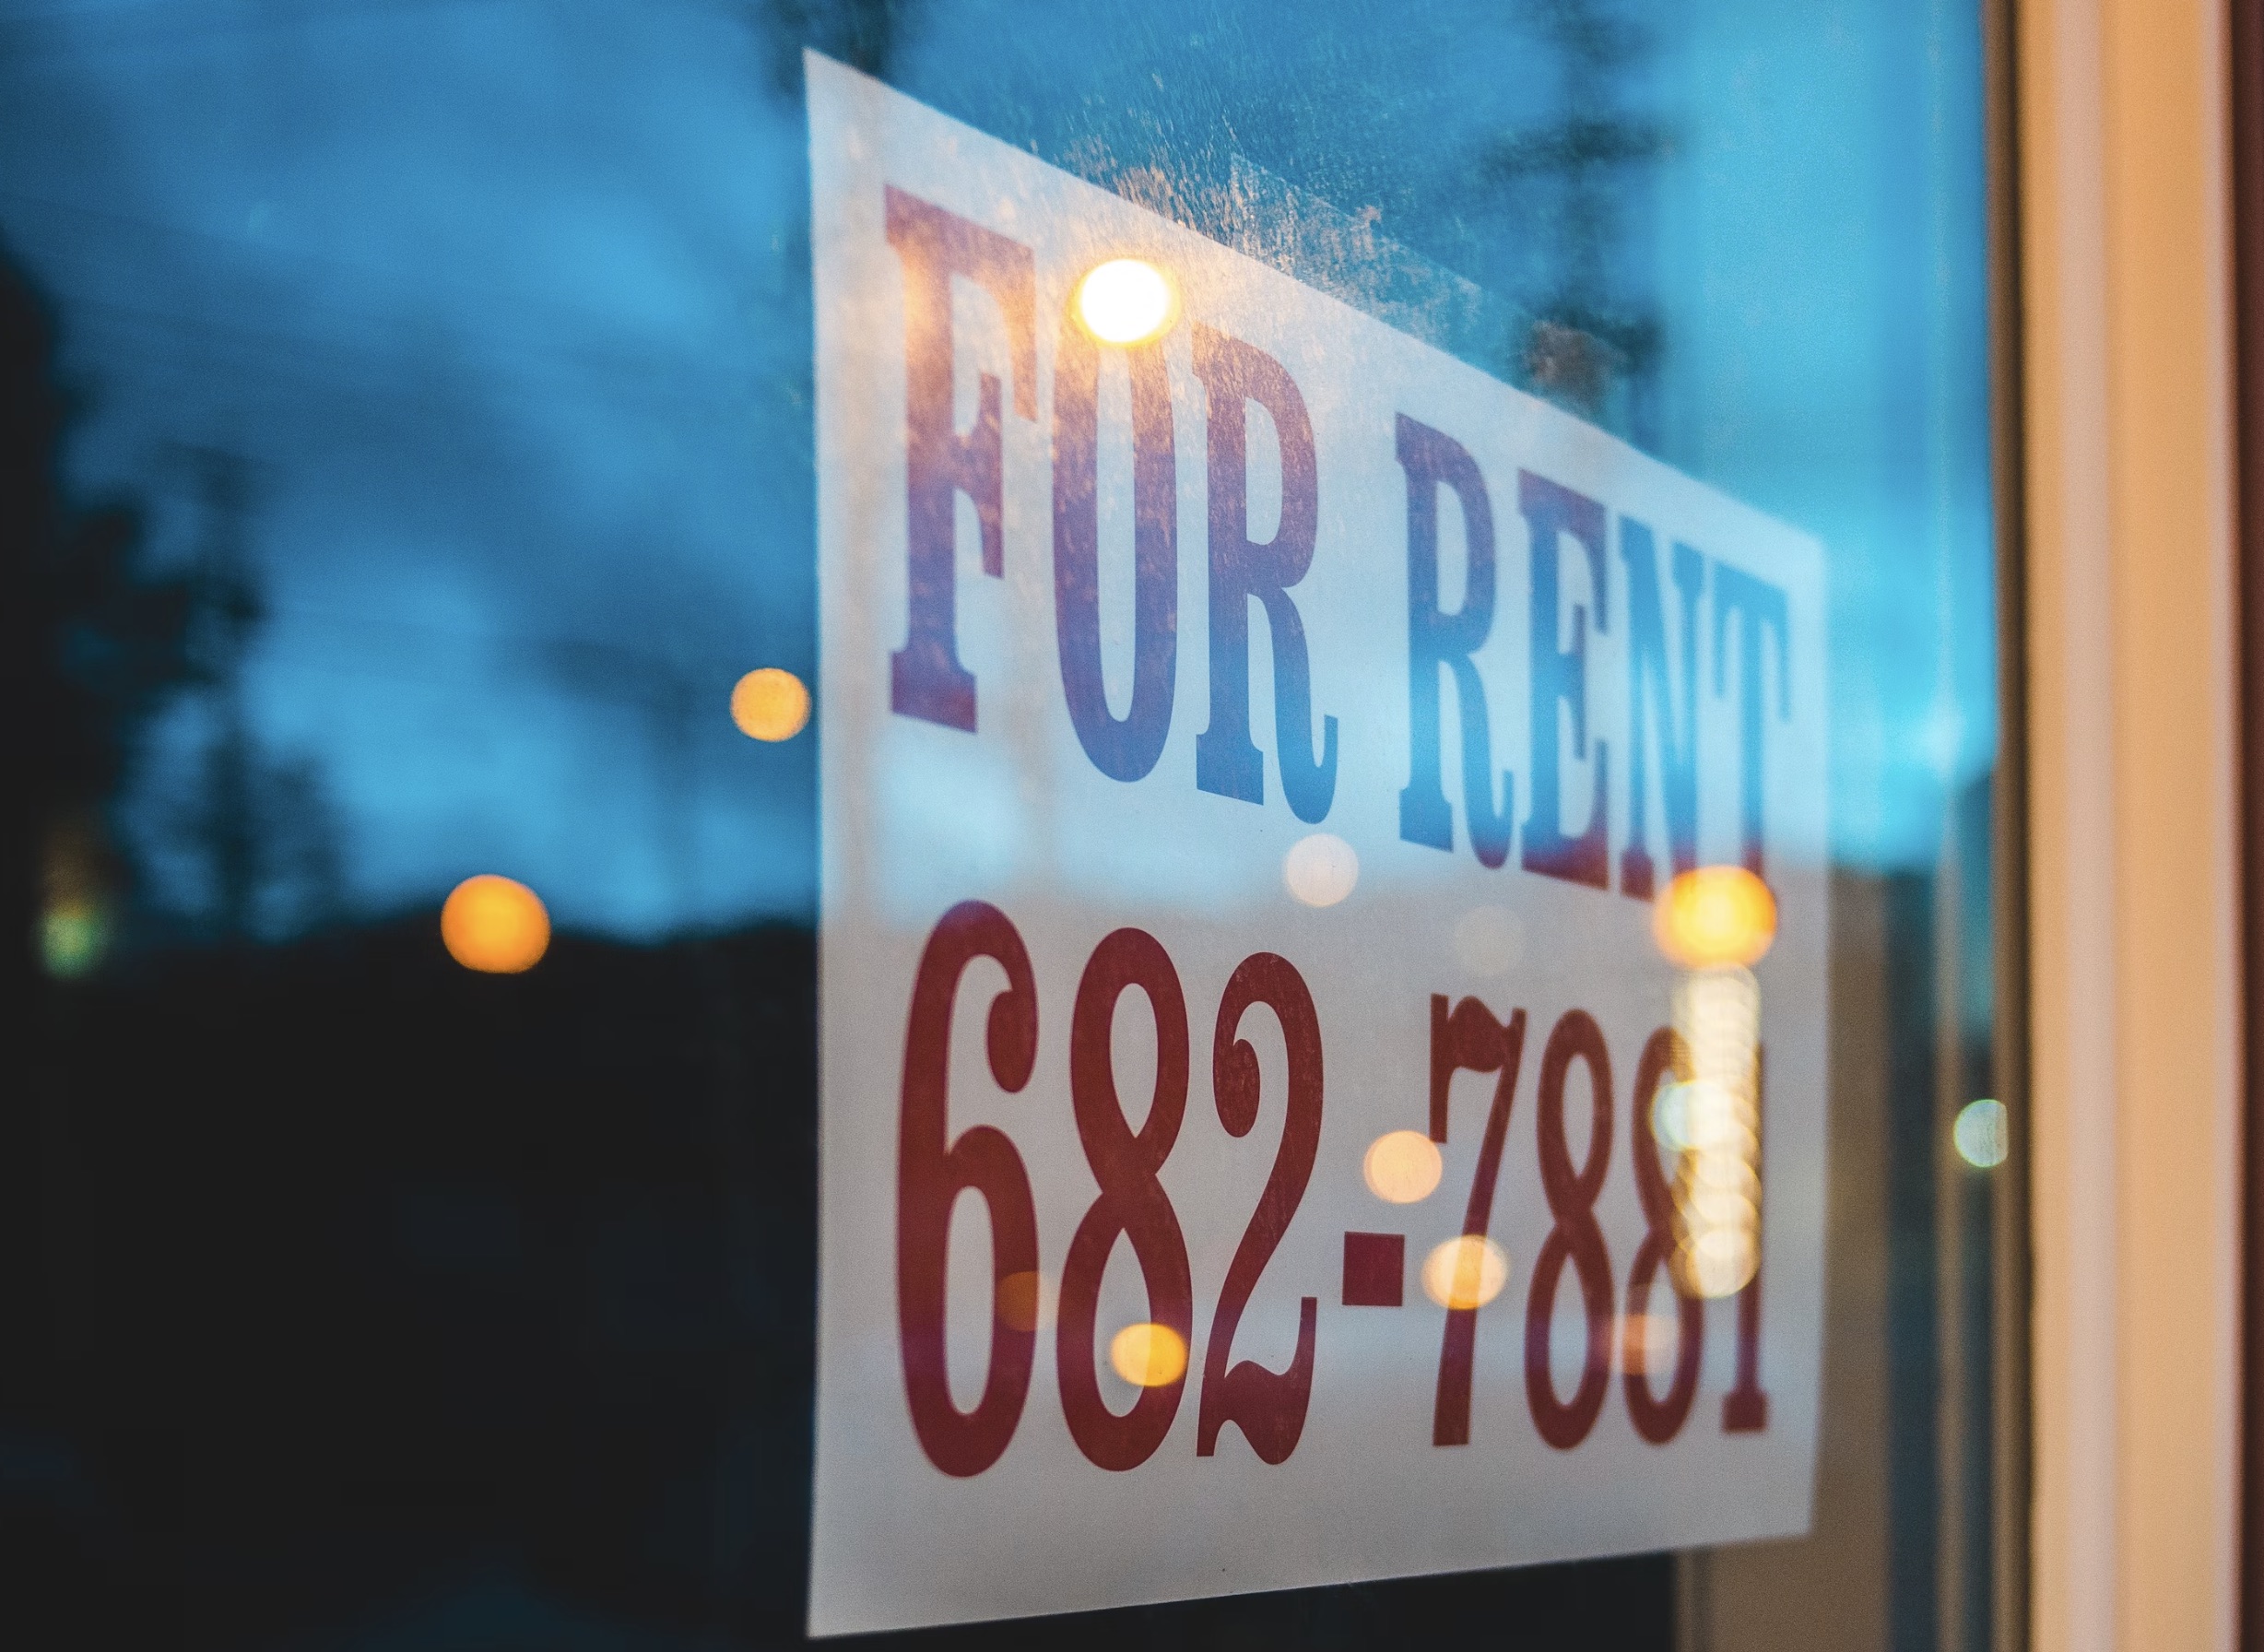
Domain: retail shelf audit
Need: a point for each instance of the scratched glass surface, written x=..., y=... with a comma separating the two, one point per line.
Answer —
x=408, y=1200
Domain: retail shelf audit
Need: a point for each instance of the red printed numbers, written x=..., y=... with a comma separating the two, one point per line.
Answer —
x=931, y=1171
x=1269, y=1406
x=1132, y=1202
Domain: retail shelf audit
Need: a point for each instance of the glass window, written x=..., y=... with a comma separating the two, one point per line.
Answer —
x=635, y=627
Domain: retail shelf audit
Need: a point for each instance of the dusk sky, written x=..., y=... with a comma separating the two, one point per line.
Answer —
x=506, y=307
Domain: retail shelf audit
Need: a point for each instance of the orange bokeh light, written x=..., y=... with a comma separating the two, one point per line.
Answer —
x=770, y=704
x=1714, y=917
x=495, y=925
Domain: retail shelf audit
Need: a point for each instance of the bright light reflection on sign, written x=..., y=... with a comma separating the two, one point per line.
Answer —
x=1714, y=1120
x=1715, y=915
x=1321, y=869
x=1402, y=1167
x=1147, y=1355
x=1466, y=1272
x=1125, y=300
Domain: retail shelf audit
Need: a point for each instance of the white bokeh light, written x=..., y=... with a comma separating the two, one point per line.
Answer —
x=1125, y=300
x=1982, y=1134
x=1320, y=869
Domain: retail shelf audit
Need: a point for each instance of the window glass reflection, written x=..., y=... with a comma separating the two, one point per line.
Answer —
x=410, y=449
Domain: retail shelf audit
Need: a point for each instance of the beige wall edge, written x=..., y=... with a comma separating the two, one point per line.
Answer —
x=2134, y=956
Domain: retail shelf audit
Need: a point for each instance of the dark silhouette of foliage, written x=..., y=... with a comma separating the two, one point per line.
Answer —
x=96, y=638
x=1585, y=337
x=861, y=33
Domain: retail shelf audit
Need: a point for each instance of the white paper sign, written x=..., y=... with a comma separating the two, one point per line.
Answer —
x=1203, y=722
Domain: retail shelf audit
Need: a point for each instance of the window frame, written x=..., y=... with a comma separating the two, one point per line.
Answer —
x=2128, y=648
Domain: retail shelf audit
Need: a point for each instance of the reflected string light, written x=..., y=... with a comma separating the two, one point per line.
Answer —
x=1125, y=300
x=1320, y=869
x=1716, y=923
x=1403, y=1167
x=1027, y=1301
x=1714, y=918
x=1711, y=1119
x=1982, y=1134
x=1466, y=1272
x=1717, y=1016
x=1670, y=1116
x=1148, y=1355
x=770, y=704
x=496, y=926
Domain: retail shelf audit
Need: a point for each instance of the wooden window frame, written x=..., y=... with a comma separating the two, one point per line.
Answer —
x=2129, y=669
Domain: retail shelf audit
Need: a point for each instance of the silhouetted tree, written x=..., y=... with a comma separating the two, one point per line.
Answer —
x=92, y=641
x=95, y=639
x=1586, y=336
x=256, y=826
x=861, y=33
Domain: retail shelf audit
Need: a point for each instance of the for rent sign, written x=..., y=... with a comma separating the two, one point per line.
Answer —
x=1252, y=752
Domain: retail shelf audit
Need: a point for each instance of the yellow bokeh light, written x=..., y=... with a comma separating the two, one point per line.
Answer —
x=1466, y=1272
x=1125, y=300
x=1148, y=1355
x=495, y=924
x=770, y=704
x=1714, y=917
x=1403, y=1167
x=1719, y=1261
